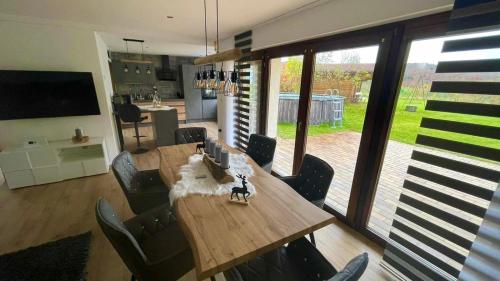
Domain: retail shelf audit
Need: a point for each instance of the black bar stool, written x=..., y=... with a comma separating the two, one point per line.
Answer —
x=132, y=113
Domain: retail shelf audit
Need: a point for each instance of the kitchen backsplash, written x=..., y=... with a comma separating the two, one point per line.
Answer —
x=143, y=85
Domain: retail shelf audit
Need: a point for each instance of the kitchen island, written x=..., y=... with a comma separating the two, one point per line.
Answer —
x=164, y=120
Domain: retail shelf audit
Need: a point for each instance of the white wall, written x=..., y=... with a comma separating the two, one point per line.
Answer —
x=30, y=46
x=338, y=16
x=225, y=113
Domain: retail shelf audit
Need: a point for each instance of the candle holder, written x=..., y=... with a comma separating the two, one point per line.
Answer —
x=224, y=159
x=207, y=143
x=218, y=149
x=211, y=149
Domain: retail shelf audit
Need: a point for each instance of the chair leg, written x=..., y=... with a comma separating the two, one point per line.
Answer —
x=139, y=149
x=137, y=136
x=133, y=278
x=313, y=241
x=212, y=278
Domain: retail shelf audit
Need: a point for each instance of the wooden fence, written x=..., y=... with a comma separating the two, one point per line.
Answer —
x=324, y=109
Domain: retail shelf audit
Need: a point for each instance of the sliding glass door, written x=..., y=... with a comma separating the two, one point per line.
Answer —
x=339, y=97
x=285, y=75
x=406, y=158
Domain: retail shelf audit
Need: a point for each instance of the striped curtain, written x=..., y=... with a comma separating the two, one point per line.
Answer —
x=483, y=262
x=444, y=200
x=248, y=100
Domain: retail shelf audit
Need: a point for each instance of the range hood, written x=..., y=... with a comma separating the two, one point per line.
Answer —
x=165, y=73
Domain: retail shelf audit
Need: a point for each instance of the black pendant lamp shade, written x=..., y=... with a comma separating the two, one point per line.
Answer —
x=197, y=80
x=212, y=79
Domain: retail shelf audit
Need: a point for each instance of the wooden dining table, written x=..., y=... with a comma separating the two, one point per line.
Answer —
x=223, y=234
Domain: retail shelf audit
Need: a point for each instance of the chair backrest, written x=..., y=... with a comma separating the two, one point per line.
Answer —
x=124, y=169
x=120, y=237
x=309, y=260
x=315, y=266
x=353, y=270
x=314, y=178
x=261, y=149
x=190, y=135
x=129, y=113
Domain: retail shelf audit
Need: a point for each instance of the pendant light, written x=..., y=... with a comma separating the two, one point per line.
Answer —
x=212, y=79
x=137, y=70
x=125, y=68
x=204, y=79
x=232, y=85
x=204, y=74
x=225, y=83
x=197, y=80
x=221, y=80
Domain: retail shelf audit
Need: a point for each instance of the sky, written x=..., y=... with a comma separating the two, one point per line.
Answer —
x=422, y=51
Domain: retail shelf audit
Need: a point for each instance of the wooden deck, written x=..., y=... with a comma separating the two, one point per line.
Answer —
x=340, y=150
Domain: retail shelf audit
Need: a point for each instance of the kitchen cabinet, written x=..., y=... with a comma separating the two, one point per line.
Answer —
x=210, y=109
x=192, y=96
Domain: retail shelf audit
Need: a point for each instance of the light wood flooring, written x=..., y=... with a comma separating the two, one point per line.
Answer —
x=35, y=215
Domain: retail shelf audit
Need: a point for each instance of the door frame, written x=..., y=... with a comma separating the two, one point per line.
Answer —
x=394, y=40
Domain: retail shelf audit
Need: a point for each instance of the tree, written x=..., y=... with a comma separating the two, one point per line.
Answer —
x=291, y=75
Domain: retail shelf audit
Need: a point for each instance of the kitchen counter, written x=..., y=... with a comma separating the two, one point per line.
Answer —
x=150, y=108
x=173, y=103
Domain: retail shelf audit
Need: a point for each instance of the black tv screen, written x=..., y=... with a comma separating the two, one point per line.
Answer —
x=37, y=94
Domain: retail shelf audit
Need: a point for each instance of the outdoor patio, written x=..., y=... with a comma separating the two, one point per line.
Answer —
x=340, y=150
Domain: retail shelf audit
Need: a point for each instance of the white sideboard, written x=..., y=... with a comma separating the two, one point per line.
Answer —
x=53, y=162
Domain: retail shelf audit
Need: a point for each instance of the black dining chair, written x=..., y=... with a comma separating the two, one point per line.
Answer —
x=261, y=149
x=152, y=245
x=131, y=113
x=144, y=189
x=190, y=135
x=298, y=261
x=312, y=181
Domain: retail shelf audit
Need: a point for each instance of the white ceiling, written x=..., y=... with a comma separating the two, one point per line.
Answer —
x=147, y=19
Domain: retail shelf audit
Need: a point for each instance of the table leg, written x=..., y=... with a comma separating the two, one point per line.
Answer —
x=212, y=278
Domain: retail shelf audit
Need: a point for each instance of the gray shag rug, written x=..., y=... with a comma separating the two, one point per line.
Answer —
x=60, y=260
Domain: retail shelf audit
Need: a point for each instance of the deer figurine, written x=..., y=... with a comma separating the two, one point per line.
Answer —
x=241, y=190
x=200, y=147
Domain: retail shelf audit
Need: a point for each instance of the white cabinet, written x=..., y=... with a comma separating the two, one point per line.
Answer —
x=46, y=174
x=14, y=161
x=55, y=161
x=94, y=166
x=72, y=170
x=42, y=157
x=19, y=178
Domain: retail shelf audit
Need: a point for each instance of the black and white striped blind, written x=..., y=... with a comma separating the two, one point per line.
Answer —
x=450, y=183
x=246, y=103
x=483, y=262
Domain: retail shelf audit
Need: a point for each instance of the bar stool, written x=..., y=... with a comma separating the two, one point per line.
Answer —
x=132, y=113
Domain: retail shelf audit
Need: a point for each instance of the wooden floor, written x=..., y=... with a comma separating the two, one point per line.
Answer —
x=35, y=215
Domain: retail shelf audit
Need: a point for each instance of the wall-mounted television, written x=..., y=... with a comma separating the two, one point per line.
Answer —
x=37, y=94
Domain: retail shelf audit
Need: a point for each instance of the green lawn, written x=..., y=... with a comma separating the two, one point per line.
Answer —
x=405, y=124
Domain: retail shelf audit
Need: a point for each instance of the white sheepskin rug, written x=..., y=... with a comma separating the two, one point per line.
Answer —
x=197, y=179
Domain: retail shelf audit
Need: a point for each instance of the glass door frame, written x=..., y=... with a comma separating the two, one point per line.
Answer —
x=393, y=40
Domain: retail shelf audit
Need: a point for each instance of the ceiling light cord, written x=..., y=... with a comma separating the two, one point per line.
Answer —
x=217, y=15
x=206, y=37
